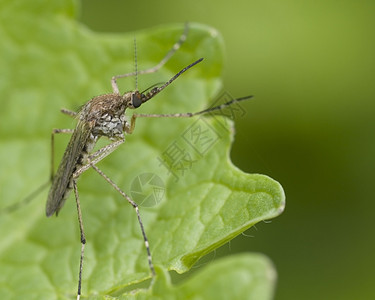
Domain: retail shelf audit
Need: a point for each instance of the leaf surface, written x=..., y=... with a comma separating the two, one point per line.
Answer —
x=199, y=200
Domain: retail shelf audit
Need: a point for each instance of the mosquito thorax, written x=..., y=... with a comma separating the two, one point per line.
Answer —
x=107, y=112
x=110, y=126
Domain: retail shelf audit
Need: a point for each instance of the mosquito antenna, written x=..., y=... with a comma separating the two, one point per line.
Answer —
x=135, y=64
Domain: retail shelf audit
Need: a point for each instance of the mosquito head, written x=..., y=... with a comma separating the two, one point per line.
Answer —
x=133, y=99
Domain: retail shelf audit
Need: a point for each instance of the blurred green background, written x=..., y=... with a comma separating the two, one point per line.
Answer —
x=311, y=66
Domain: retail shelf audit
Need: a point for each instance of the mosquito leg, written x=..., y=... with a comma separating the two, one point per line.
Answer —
x=98, y=156
x=13, y=207
x=135, y=206
x=83, y=239
x=170, y=53
x=36, y=192
x=129, y=129
x=94, y=158
x=68, y=112
x=105, y=151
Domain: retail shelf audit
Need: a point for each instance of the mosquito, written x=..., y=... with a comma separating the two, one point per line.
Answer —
x=104, y=116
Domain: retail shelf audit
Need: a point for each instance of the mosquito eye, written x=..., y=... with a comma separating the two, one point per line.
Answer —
x=136, y=100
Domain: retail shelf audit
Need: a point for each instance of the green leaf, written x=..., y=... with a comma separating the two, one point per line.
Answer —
x=245, y=276
x=48, y=62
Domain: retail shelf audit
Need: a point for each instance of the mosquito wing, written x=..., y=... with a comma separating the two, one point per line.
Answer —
x=61, y=183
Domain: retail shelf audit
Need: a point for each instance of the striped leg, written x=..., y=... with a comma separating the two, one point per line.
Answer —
x=135, y=206
x=130, y=127
x=83, y=238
